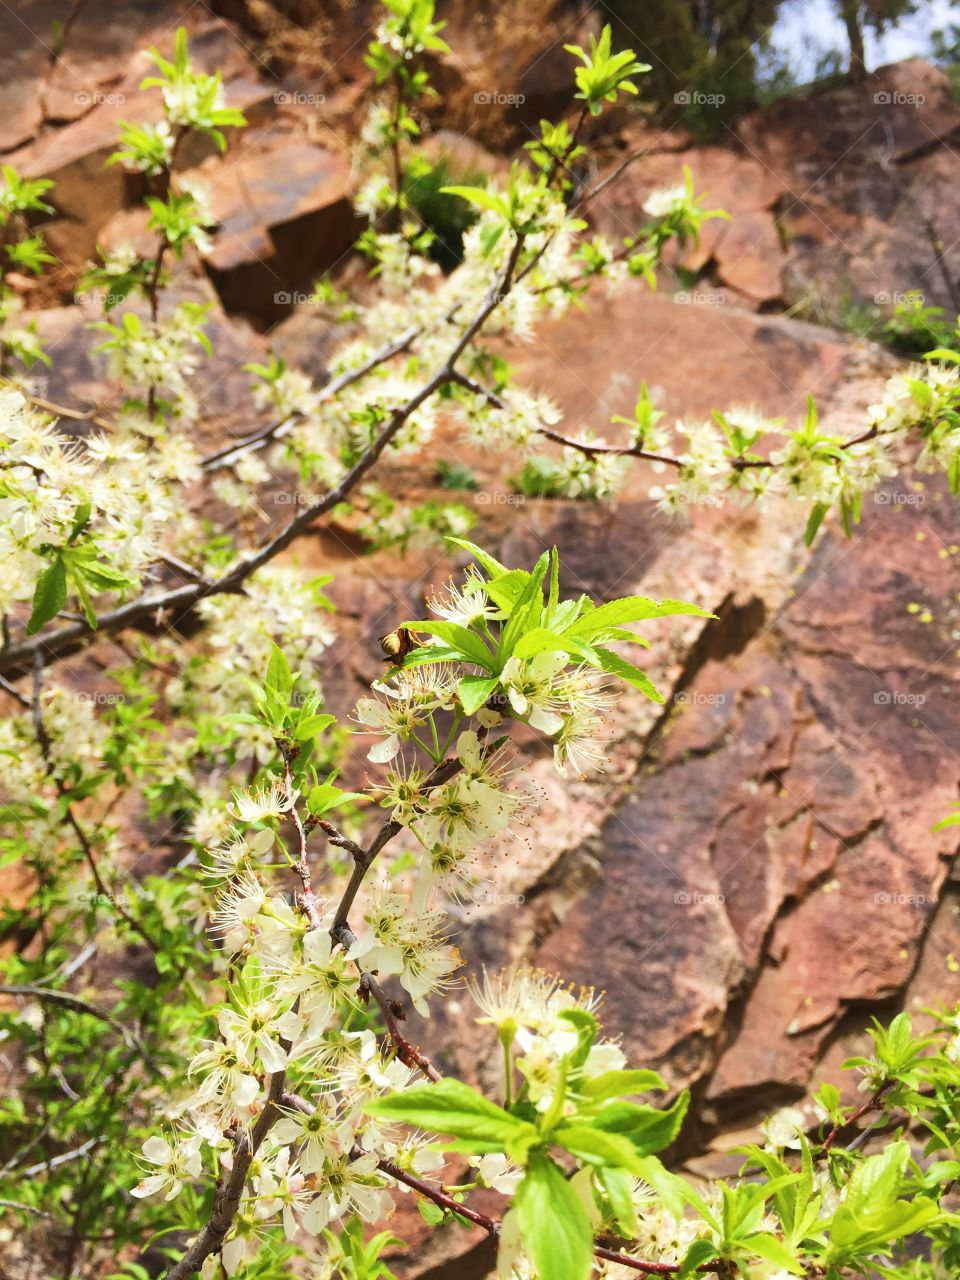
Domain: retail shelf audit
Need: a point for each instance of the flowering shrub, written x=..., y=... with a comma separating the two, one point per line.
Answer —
x=254, y=1087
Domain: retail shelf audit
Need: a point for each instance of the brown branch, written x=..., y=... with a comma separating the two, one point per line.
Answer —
x=871, y=1104
x=58, y=410
x=492, y=1227
x=55, y=643
x=230, y=1192
x=583, y=446
x=447, y=1202
x=257, y=439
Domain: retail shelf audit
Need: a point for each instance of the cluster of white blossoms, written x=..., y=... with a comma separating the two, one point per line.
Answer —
x=525, y=1007
x=298, y=976
x=728, y=457
x=158, y=356
x=286, y=1013
x=104, y=501
x=567, y=703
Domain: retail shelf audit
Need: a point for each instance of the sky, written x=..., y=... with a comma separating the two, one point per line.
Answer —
x=805, y=27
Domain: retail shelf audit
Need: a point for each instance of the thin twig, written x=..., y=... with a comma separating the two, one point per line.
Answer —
x=70, y=817
x=226, y=455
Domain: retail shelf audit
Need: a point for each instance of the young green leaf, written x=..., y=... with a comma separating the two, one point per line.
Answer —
x=554, y=1225
x=49, y=595
x=449, y=1106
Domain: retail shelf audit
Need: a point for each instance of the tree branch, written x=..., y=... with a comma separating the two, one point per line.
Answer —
x=55, y=643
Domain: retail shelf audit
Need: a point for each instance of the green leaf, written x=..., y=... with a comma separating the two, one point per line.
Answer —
x=630, y=609
x=553, y=1222
x=648, y=1128
x=325, y=796
x=467, y=642
x=480, y=197
x=700, y=1251
x=49, y=595
x=492, y=566
x=279, y=676
x=876, y=1181
x=506, y=589
x=80, y=521
x=674, y=1191
x=952, y=820
x=540, y=640
x=474, y=691
x=431, y=653
x=815, y=520
x=431, y=1213
x=618, y=666
x=587, y=1030
x=101, y=577
x=450, y=1106
x=773, y=1250
x=618, y=1185
x=527, y=612
x=86, y=604
x=597, y=1147
x=310, y=726
x=616, y=1084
